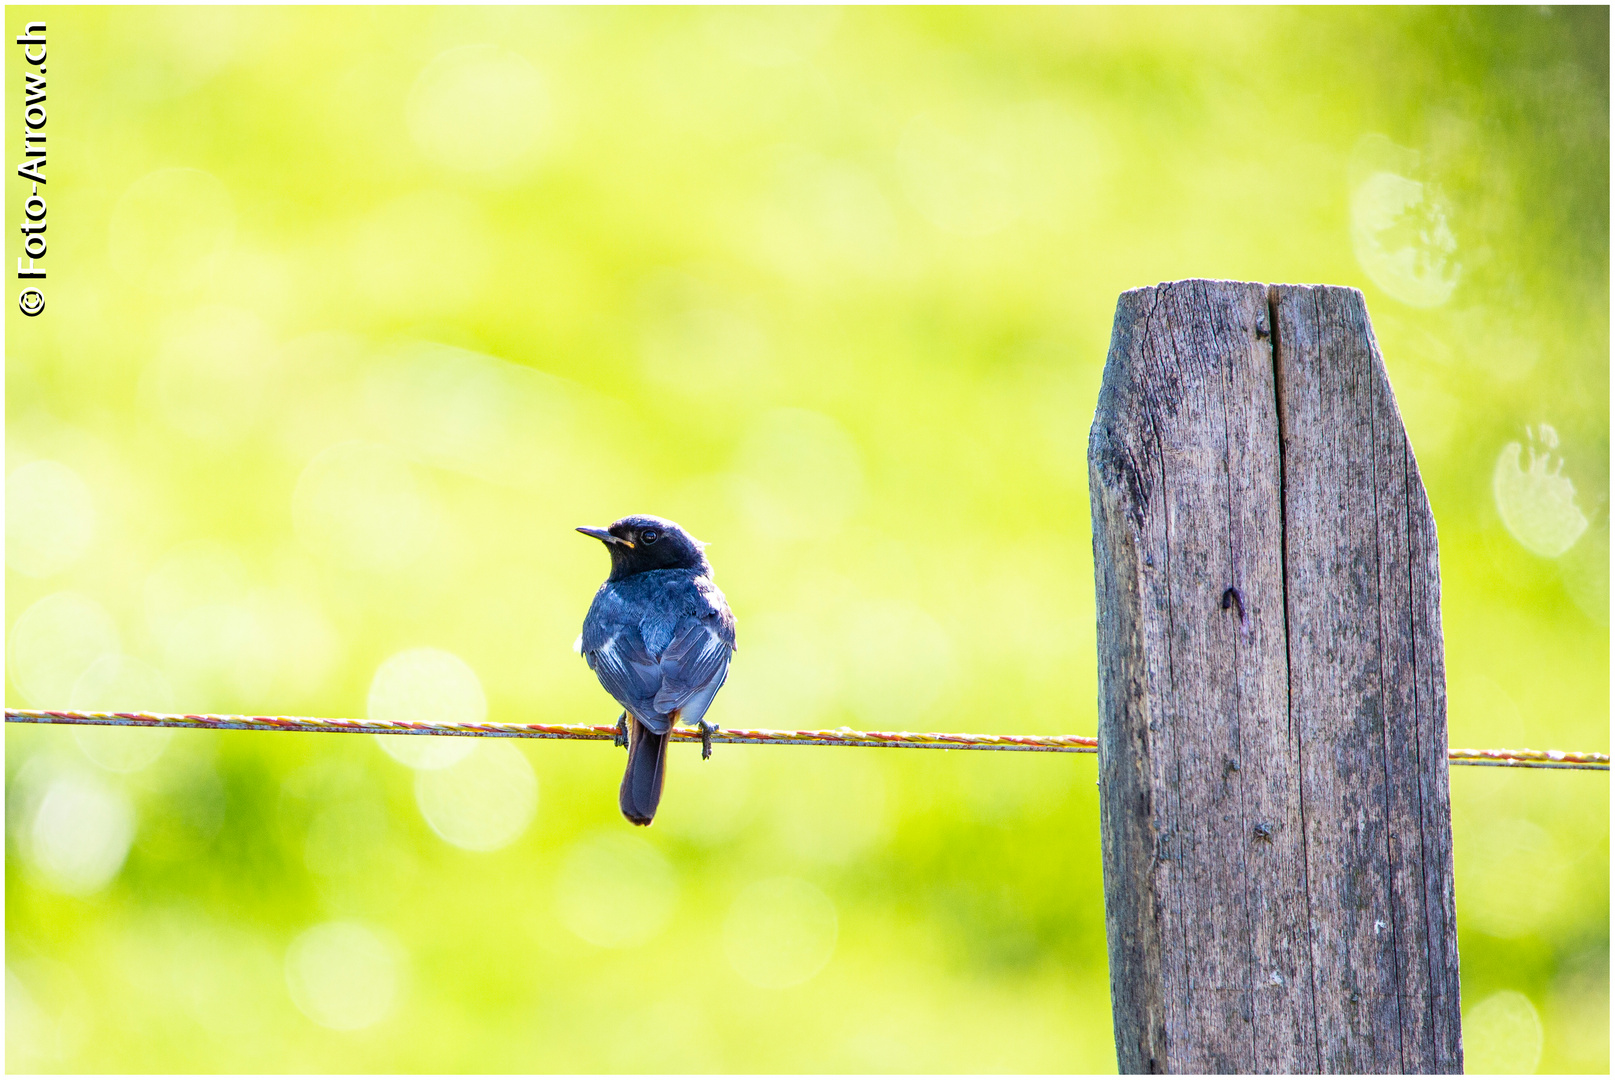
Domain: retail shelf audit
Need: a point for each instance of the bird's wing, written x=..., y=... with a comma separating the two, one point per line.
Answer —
x=696, y=661
x=628, y=672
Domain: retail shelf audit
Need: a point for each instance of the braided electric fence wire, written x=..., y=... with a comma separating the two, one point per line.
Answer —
x=910, y=740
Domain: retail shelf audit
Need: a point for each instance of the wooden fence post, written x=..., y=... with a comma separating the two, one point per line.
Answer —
x=1272, y=703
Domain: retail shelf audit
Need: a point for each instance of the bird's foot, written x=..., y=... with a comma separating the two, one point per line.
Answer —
x=621, y=738
x=707, y=731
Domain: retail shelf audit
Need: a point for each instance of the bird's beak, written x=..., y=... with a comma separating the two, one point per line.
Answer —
x=602, y=534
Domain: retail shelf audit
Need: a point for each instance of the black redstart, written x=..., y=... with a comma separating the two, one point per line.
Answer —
x=658, y=635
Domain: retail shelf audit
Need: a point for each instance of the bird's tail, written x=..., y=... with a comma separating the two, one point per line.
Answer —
x=642, y=783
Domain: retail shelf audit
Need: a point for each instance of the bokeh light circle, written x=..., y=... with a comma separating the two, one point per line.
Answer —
x=1537, y=503
x=780, y=932
x=343, y=975
x=50, y=518
x=1502, y=1035
x=80, y=833
x=615, y=891
x=482, y=802
x=1399, y=224
x=426, y=686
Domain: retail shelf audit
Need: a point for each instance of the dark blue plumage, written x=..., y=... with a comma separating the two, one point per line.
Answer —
x=658, y=636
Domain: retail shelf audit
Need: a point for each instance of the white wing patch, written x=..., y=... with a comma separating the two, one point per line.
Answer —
x=711, y=647
x=577, y=646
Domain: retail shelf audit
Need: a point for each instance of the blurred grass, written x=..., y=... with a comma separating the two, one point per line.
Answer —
x=832, y=289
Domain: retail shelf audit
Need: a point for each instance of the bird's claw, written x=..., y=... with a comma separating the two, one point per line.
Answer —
x=706, y=739
x=621, y=738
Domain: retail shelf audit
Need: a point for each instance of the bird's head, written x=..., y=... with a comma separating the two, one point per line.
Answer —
x=644, y=542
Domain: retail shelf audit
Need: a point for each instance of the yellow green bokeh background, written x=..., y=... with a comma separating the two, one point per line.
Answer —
x=353, y=314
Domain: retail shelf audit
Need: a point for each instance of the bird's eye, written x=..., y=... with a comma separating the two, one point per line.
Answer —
x=648, y=536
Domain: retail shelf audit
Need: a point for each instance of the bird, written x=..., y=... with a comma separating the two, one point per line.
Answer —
x=659, y=636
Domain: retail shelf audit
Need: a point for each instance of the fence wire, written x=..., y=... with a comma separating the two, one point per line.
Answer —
x=908, y=740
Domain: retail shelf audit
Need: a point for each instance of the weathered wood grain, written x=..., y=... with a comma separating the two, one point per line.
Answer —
x=1277, y=840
